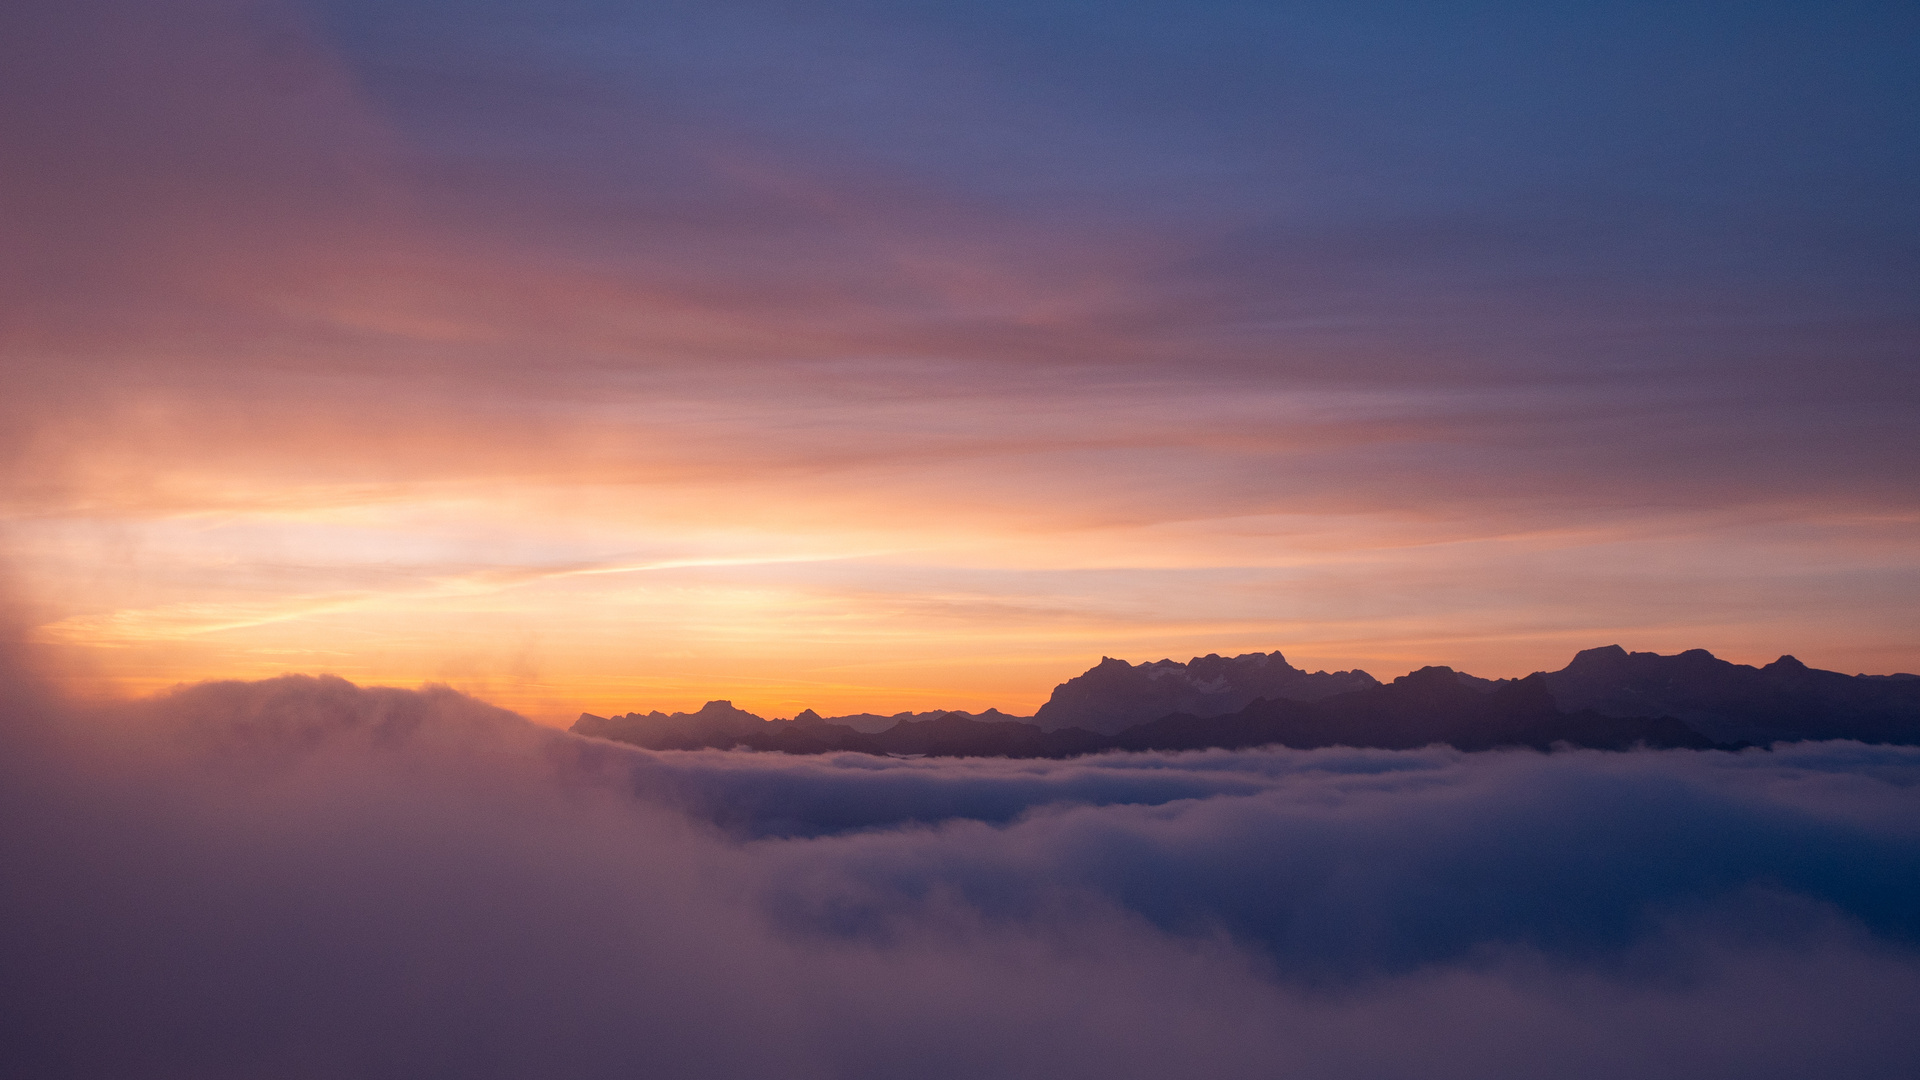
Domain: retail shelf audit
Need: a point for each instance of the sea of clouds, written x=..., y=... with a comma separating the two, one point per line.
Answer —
x=303, y=878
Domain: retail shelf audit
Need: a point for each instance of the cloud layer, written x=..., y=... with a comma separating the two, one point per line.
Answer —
x=303, y=877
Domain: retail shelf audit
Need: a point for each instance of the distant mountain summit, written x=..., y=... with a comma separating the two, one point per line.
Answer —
x=1783, y=701
x=715, y=721
x=1606, y=699
x=720, y=726
x=1114, y=695
x=1428, y=707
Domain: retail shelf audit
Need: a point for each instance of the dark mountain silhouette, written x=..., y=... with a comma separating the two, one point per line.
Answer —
x=987, y=734
x=1607, y=699
x=1782, y=702
x=1430, y=706
x=716, y=722
x=718, y=726
x=872, y=723
x=1115, y=695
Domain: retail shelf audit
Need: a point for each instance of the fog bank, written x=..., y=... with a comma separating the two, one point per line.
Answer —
x=307, y=878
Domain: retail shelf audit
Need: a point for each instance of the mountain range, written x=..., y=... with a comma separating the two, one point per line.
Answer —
x=1607, y=698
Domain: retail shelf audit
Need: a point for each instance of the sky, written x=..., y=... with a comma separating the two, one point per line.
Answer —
x=884, y=355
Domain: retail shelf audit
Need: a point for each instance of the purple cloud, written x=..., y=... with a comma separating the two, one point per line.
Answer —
x=304, y=876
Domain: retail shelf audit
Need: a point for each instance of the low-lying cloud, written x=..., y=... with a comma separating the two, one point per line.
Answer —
x=301, y=877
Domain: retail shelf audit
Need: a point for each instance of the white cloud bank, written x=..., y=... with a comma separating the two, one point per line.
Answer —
x=303, y=878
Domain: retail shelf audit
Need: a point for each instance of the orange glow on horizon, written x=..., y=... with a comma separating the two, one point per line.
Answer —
x=292, y=387
x=608, y=599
